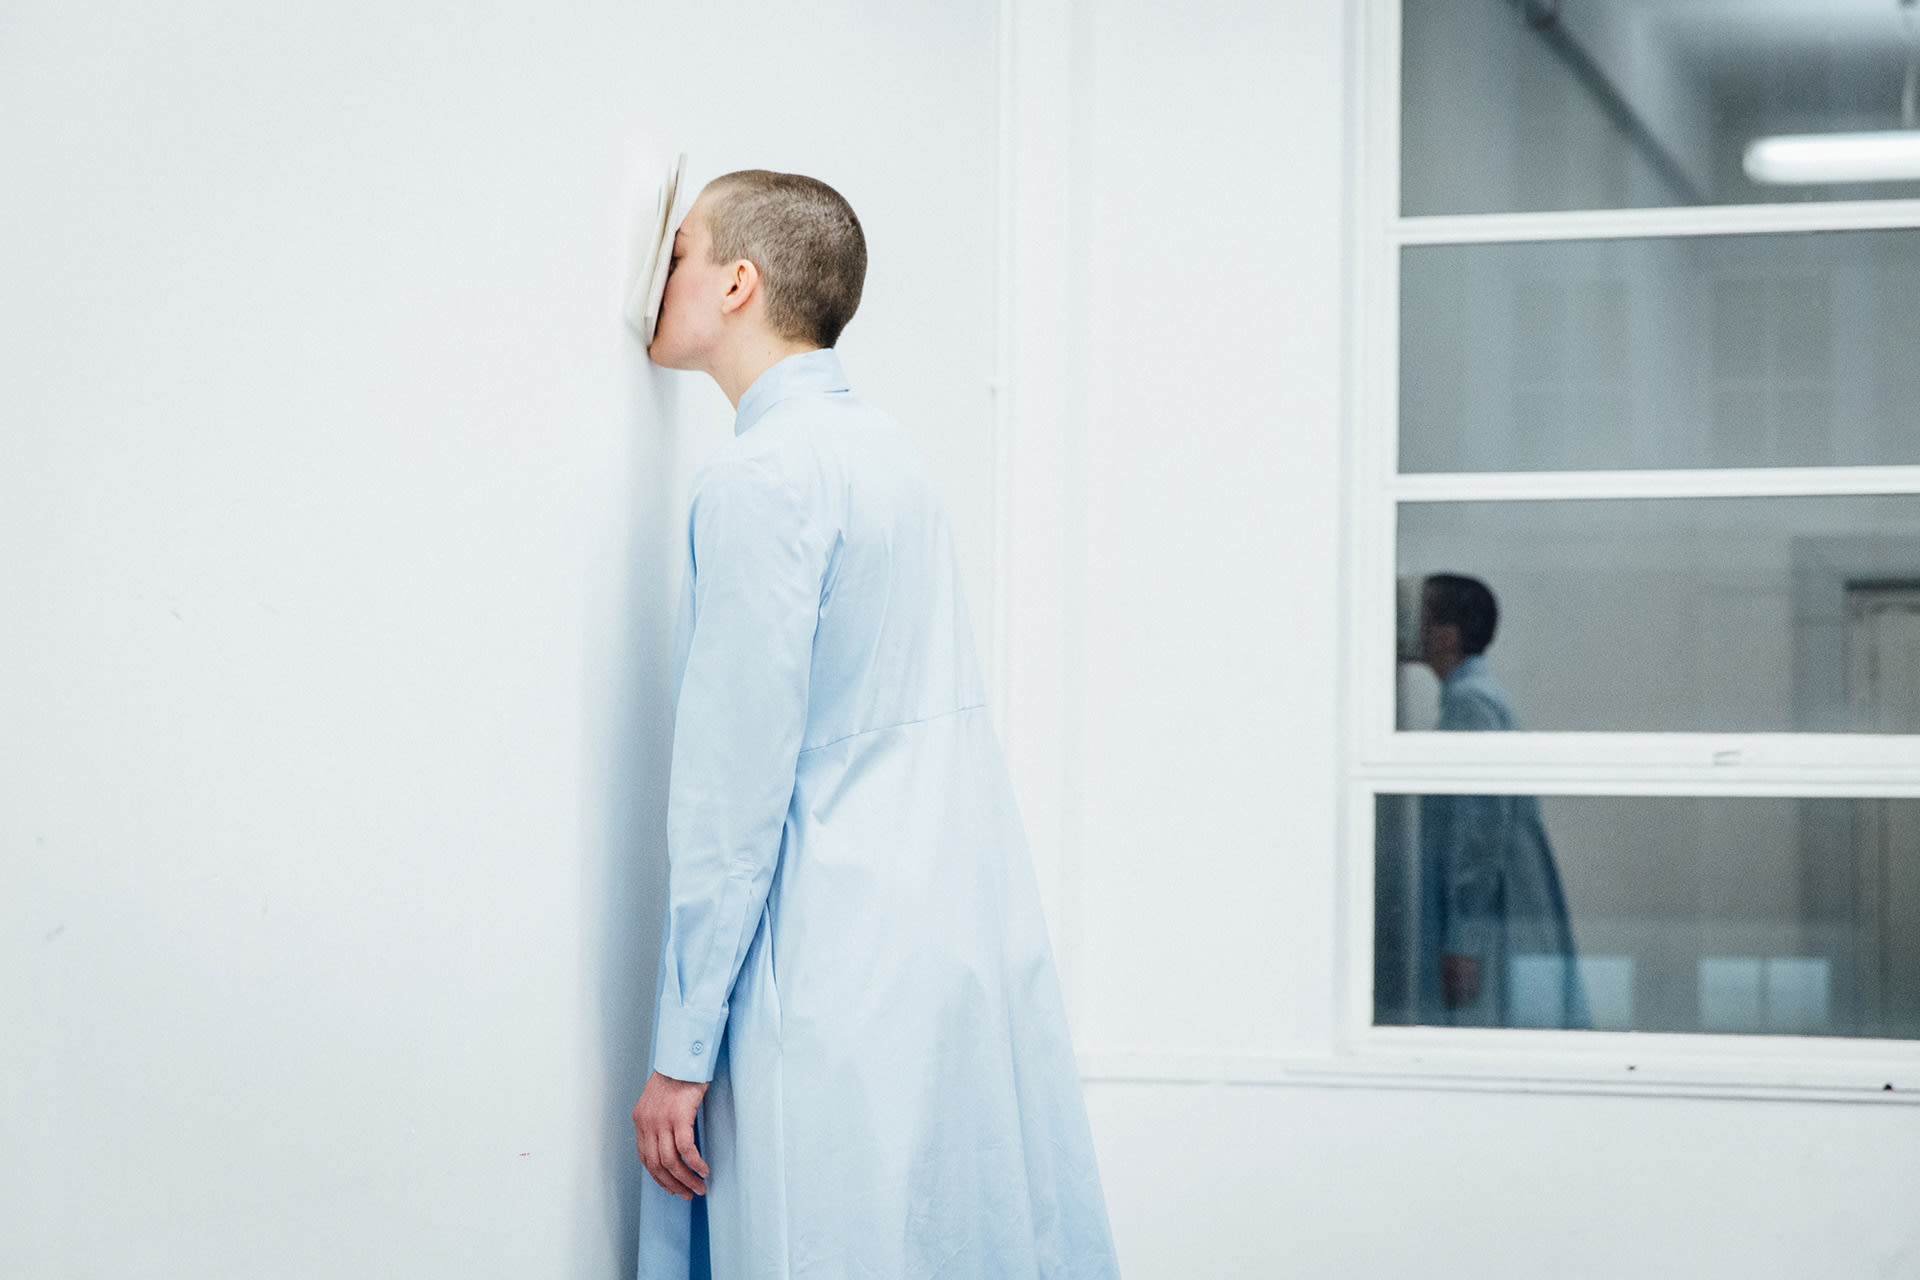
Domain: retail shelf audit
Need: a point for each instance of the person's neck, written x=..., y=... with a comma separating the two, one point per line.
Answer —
x=741, y=366
x=1446, y=666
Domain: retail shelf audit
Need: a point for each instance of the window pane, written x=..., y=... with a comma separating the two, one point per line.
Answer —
x=1658, y=913
x=1521, y=105
x=1717, y=351
x=1709, y=615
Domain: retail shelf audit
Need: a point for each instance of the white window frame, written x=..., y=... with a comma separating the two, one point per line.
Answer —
x=1378, y=760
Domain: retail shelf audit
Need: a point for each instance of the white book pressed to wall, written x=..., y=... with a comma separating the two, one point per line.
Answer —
x=653, y=253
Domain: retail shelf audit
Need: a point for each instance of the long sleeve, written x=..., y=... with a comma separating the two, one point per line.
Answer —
x=741, y=712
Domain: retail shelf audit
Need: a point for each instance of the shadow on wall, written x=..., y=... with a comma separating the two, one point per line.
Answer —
x=633, y=875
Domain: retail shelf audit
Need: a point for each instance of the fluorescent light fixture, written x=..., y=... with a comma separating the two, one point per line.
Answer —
x=1810, y=159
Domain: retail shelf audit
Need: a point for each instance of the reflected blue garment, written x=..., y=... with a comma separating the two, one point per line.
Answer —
x=855, y=953
x=1489, y=888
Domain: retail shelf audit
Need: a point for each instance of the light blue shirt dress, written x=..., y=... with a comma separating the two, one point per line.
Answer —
x=1490, y=888
x=855, y=954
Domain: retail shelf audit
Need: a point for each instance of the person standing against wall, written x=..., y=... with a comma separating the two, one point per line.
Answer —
x=861, y=1063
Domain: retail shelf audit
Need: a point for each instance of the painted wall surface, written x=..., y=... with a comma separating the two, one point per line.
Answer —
x=341, y=516
x=1252, y=1182
x=1212, y=385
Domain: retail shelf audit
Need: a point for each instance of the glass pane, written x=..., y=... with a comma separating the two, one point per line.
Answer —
x=1715, y=351
x=1522, y=105
x=1709, y=615
x=1650, y=913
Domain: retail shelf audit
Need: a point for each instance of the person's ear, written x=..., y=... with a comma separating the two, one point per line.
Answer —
x=743, y=281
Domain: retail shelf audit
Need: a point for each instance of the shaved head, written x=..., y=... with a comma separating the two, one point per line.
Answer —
x=803, y=238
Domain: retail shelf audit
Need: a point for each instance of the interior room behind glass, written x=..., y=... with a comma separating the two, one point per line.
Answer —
x=1532, y=105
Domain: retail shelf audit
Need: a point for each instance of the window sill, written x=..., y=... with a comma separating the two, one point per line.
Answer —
x=1772, y=1068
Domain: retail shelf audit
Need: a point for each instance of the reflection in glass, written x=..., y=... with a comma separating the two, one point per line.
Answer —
x=1493, y=946
x=1689, y=615
x=1708, y=351
x=1746, y=915
x=1525, y=105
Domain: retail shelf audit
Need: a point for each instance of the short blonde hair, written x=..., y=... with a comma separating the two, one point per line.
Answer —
x=805, y=240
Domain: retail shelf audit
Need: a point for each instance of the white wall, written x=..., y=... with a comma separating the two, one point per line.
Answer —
x=1208, y=677
x=340, y=514
x=1249, y=1182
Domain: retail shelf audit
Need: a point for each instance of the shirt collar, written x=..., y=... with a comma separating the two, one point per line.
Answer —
x=803, y=374
x=1470, y=666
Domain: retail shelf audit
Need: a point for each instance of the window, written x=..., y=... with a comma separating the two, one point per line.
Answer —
x=1636, y=555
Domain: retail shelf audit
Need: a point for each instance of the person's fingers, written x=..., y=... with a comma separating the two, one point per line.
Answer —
x=660, y=1151
x=650, y=1158
x=677, y=1168
x=690, y=1153
x=666, y=1167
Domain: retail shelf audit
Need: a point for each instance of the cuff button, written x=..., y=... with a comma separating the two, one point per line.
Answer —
x=698, y=1048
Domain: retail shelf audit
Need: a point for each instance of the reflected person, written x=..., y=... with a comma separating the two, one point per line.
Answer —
x=1496, y=946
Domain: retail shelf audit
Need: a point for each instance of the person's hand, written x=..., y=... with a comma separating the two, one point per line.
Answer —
x=1459, y=979
x=663, y=1128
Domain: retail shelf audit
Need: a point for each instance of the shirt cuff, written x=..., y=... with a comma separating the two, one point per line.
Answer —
x=685, y=1042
